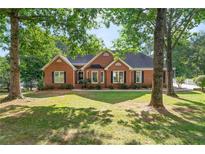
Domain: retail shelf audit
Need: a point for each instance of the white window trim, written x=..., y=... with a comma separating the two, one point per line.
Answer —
x=92, y=77
x=103, y=76
x=119, y=76
x=56, y=57
x=59, y=73
x=140, y=77
x=130, y=68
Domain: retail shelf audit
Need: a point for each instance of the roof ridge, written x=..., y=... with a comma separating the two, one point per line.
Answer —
x=133, y=59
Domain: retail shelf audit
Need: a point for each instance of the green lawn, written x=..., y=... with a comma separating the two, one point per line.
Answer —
x=64, y=117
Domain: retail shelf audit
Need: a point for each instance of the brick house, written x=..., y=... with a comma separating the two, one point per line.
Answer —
x=103, y=69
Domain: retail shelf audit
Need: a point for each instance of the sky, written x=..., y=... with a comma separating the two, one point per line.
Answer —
x=200, y=27
x=110, y=34
x=107, y=34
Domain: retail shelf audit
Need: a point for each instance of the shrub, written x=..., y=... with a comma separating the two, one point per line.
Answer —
x=98, y=86
x=145, y=86
x=180, y=80
x=40, y=85
x=62, y=86
x=66, y=86
x=200, y=81
x=47, y=87
x=110, y=87
x=83, y=86
x=90, y=86
x=84, y=83
x=135, y=86
x=122, y=86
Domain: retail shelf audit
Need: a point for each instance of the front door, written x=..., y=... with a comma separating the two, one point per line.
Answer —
x=79, y=76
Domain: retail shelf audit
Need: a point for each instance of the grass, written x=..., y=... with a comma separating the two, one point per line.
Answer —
x=65, y=117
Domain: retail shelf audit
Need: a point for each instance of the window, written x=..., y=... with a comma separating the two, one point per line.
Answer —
x=58, y=77
x=118, y=77
x=118, y=64
x=106, y=54
x=102, y=77
x=59, y=61
x=138, y=76
x=94, y=77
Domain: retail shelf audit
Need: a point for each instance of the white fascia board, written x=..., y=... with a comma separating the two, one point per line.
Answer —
x=61, y=57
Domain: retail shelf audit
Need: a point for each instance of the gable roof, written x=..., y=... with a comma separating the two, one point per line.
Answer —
x=61, y=57
x=120, y=61
x=134, y=60
x=95, y=57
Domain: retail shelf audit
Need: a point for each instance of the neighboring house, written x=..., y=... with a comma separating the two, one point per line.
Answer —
x=100, y=69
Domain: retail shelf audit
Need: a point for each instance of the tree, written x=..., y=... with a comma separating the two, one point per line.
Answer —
x=157, y=97
x=180, y=80
x=4, y=72
x=71, y=23
x=138, y=28
x=194, y=49
x=200, y=81
x=178, y=24
x=37, y=47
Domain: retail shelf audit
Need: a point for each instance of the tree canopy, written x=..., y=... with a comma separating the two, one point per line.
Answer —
x=70, y=23
x=37, y=47
x=189, y=56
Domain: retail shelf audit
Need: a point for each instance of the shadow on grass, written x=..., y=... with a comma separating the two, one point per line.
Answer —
x=111, y=97
x=190, y=109
x=189, y=92
x=107, y=97
x=47, y=93
x=165, y=128
x=52, y=125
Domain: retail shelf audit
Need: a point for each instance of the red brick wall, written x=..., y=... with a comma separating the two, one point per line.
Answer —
x=113, y=67
x=148, y=77
x=103, y=60
x=58, y=66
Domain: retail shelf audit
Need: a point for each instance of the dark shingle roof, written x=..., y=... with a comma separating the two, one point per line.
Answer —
x=138, y=60
x=96, y=66
x=135, y=60
x=81, y=59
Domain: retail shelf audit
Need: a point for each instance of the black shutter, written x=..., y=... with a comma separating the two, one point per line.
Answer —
x=142, y=76
x=111, y=77
x=134, y=76
x=52, y=77
x=124, y=76
x=164, y=76
x=64, y=77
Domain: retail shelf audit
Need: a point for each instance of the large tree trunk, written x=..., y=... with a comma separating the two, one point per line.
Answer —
x=157, y=88
x=170, y=73
x=14, y=90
